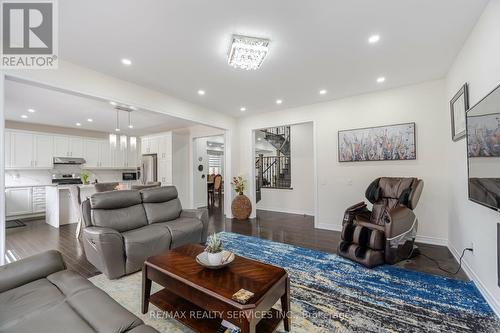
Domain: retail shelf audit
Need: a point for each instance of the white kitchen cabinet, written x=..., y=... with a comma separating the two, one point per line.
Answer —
x=7, y=145
x=38, y=199
x=61, y=146
x=22, y=150
x=132, y=157
x=43, y=151
x=18, y=201
x=165, y=171
x=91, y=153
x=105, y=154
x=68, y=146
x=98, y=154
x=150, y=145
x=75, y=147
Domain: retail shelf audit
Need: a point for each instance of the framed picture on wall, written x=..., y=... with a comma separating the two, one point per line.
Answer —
x=382, y=143
x=459, y=105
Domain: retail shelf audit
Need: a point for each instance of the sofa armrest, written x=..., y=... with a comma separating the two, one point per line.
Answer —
x=200, y=214
x=30, y=269
x=104, y=249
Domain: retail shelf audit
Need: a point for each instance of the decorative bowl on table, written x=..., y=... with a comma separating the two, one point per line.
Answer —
x=226, y=258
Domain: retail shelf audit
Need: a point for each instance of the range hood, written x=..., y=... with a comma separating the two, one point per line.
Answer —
x=69, y=160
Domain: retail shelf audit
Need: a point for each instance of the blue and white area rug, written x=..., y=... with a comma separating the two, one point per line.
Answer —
x=332, y=294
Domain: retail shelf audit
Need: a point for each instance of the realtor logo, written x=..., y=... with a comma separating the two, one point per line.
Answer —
x=29, y=34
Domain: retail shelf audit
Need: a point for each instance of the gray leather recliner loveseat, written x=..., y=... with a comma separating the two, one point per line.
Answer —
x=38, y=294
x=124, y=228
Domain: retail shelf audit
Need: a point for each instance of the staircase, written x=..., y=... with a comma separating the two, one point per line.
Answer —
x=274, y=171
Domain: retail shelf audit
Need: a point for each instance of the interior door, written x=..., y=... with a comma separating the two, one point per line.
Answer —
x=44, y=151
x=8, y=148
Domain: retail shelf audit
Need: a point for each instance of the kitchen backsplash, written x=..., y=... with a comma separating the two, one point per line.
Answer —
x=44, y=177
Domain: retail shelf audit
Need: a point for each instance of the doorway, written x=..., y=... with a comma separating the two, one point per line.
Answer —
x=208, y=173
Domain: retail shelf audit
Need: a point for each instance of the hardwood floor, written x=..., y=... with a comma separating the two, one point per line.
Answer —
x=293, y=229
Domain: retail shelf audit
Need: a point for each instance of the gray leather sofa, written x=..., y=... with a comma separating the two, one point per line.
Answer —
x=38, y=294
x=124, y=228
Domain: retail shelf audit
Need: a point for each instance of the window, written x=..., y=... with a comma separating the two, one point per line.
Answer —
x=215, y=162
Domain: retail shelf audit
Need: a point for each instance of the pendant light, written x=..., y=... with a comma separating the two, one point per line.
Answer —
x=129, y=122
x=117, y=128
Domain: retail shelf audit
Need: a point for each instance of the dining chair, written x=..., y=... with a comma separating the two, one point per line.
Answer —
x=104, y=187
x=148, y=185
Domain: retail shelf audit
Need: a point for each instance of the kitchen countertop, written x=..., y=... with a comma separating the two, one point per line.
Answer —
x=29, y=185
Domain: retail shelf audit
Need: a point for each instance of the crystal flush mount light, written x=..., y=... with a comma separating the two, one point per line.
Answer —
x=247, y=52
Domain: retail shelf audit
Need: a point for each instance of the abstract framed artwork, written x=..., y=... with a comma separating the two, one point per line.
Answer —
x=459, y=105
x=382, y=143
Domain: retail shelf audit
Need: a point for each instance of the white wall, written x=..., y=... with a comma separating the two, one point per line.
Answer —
x=343, y=184
x=478, y=64
x=2, y=168
x=298, y=200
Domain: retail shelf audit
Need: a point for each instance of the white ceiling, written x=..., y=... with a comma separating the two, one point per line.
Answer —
x=180, y=46
x=61, y=109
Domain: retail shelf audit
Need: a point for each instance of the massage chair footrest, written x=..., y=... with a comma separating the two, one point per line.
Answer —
x=365, y=256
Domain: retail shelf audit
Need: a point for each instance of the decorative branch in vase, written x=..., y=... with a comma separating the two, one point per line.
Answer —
x=241, y=207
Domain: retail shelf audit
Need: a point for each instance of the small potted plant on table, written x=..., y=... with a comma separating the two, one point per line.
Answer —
x=214, y=250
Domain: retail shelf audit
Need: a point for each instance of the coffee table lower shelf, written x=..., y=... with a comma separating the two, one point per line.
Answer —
x=170, y=302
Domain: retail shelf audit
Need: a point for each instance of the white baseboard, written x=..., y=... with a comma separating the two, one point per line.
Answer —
x=494, y=304
x=326, y=226
x=431, y=240
x=286, y=210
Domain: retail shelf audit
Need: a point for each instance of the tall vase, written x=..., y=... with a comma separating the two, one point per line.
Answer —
x=241, y=207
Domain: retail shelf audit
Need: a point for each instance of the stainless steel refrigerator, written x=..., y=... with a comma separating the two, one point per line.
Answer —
x=149, y=168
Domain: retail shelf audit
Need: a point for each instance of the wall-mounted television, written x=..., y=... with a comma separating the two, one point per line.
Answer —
x=483, y=150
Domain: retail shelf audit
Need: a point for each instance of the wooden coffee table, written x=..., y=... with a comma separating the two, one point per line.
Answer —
x=200, y=297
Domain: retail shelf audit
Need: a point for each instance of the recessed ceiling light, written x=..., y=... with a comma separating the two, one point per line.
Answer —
x=279, y=101
x=127, y=62
x=322, y=92
x=24, y=116
x=113, y=103
x=78, y=124
x=243, y=109
x=258, y=139
x=247, y=52
x=117, y=130
x=201, y=92
x=381, y=79
x=90, y=120
x=373, y=39
x=31, y=110
x=130, y=126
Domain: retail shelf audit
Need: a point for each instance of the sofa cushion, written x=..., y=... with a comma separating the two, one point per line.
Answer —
x=19, y=302
x=161, y=204
x=60, y=318
x=184, y=230
x=144, y=242
x=118, y=210
x=115, y=199
x=62, y=302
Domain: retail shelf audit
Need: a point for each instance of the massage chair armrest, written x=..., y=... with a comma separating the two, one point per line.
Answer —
x=400, y=220
x=104, y=249
x=357, y=209
x=200, y=214
x=30, y=269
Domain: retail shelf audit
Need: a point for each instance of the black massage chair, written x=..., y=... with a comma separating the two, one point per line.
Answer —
x=386, y=233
